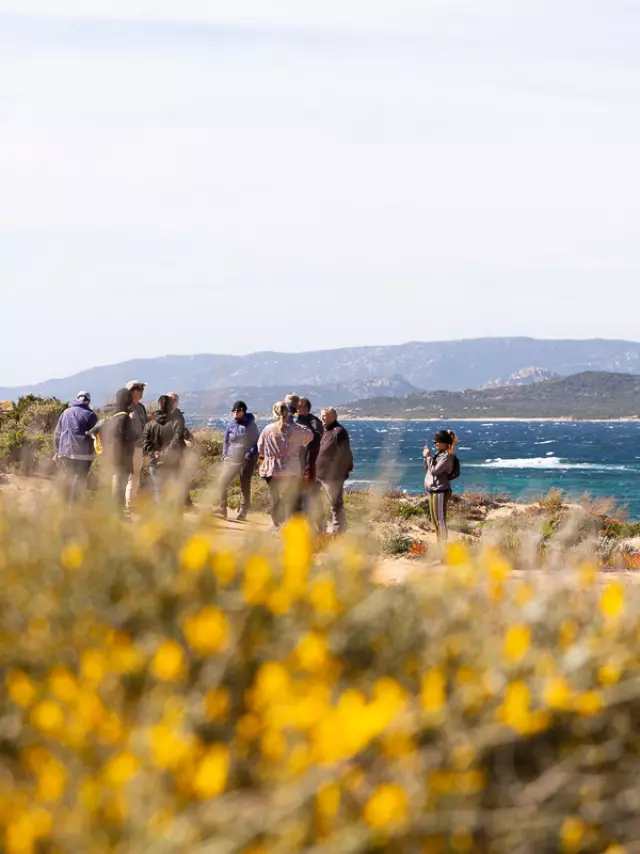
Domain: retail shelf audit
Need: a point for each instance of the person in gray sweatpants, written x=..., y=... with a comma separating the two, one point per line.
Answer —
x=239, y=458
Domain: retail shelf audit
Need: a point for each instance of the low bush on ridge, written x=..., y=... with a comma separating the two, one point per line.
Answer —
x=161, y=693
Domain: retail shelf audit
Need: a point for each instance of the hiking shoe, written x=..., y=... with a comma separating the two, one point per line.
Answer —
x=241, y=515
x=220, y=514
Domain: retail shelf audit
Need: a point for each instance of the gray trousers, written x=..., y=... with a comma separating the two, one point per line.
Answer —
x=334, y=493
x=230, y=471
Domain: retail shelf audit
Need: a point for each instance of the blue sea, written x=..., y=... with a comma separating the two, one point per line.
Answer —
x=521, y=459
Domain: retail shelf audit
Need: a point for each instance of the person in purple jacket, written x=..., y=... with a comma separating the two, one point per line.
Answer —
x=239, y=458
x=74, y=448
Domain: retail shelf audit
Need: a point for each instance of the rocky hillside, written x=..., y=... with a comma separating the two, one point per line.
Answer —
x=453, y=365
x=593, y=394
x=525, y=376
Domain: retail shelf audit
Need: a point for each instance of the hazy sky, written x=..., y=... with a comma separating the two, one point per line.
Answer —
x=181, y=176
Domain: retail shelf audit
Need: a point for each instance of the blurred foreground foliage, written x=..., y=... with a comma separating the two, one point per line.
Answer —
x=163, y=693
x=26, y=433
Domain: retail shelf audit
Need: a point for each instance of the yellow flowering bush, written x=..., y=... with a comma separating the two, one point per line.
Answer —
x=162, y=691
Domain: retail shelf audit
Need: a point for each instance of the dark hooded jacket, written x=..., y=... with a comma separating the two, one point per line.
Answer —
x=310, y=453
x=240, y=439
x=118, y=434
x=335, y=459
x=163, y=438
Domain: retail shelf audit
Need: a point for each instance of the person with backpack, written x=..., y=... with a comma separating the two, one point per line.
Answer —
x=441, y=468
x=116, y=438
x=139, y=419
x=74, y=445
x=163, y=442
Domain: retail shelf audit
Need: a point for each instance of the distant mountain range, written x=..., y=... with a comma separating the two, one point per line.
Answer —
x=398, y=369
x=592, y=394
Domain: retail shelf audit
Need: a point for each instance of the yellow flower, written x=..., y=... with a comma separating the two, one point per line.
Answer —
x=20, y=836
x=52, y=780
x=217, y=703
x=124, y=655
x=206, y=631
x=195, y=553
x=572, y=832
x=168, y=662
x=211, y=773
x=224, y=567
x=168, y=747
x=388, y=807
x=328, y=801
x=323, y=596
x=515, y=711
x=589, y=703
x=93, y=666
x=390, y=695
x=557, y=693
x=457, y=554
x=609, y=674
x=257, y=576
x=63, y=684
x=297, y=554
x=433, y=696
x=612, y=601
x=48, y=717
x=273, y=683
x=280, y=601
x=21, y=689
x=121, y=768
x=272, y=744
x=72, y=556
x=312, y=653
x=517, y=643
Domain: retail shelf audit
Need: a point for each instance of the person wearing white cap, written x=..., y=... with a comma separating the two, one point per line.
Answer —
x=139, y=417
x=74, y=448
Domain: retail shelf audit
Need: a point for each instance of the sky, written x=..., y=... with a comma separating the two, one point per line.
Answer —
x=229, y=177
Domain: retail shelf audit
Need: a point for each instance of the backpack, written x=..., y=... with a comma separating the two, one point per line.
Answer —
x=455, y=473
x=98, y=444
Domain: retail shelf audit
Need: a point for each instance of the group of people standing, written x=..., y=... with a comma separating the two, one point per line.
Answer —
x=123, y=438
x=302, y=458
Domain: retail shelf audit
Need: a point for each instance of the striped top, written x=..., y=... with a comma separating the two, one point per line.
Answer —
x=281, y=450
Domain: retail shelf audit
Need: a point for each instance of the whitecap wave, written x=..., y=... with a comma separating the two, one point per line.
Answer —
x=554, y=463
x=546, y=442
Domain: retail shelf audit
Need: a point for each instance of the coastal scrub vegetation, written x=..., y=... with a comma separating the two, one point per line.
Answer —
x=162, y=691
x=26, y=433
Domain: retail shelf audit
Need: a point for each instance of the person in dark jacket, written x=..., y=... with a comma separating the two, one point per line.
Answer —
x=119, y=439
x=310, y=488
x=163, y=442
x=190, y=461
x=74, y=446
x=239, y=458
x=439, y=467
x=139, y=419
x=334, y=463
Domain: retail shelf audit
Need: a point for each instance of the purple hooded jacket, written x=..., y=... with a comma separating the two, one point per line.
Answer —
x=71, y=432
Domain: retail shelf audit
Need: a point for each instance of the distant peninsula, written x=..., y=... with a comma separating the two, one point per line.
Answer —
x=598, y=395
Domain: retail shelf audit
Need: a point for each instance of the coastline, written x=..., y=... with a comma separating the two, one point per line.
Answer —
x=501, y=419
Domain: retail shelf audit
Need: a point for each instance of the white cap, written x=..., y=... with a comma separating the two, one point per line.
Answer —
x=135, y=384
